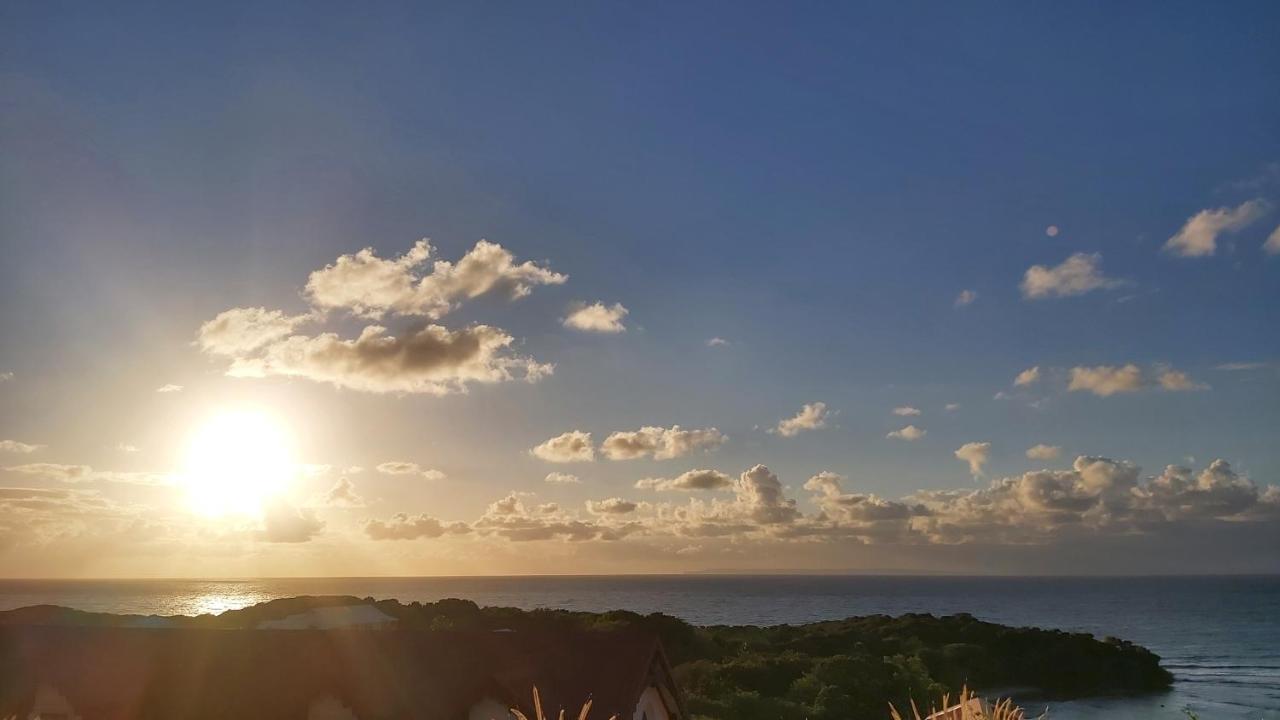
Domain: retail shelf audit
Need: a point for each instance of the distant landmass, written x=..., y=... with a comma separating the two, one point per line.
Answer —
x=820, y=671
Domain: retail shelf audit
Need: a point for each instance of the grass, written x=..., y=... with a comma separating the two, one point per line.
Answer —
x=969, y=707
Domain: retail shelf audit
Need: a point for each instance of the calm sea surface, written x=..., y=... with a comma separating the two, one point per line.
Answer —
x=1219, y=636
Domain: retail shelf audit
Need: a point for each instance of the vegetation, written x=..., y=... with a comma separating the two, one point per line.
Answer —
x=967, y=706
x=819, y=671
x=540, y=715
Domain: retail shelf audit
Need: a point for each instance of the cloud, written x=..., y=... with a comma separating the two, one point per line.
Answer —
x=54, y=471
x=559, y=478
x=966, y=297
x=909, y=433
x=1178, y=381
x=1051, y=231
x=1272, y=245
x=1044, y=452
x=343, y=494
x=572, y=446
x=433, y=360
x=660, y=443
x=13, y=446
x=1077, y=275
x=127, y=448
x=717, y=342
x=760, y=493
x=6, y=376
x=611, y=506
x=596, y=317
x=811, y=417
x=689, y=481
x=402, y=526
x=240, y=331
x=370, y=286
x=1199, y=236
x=1027, y=377
x=169, y=388
x=1106, y=380
x=951, y=407
x=409, y=468
x=976, y=454
x=906, y=411
x=284, y=523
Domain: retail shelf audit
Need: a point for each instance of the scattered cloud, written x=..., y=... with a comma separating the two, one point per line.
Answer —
x=1240, y=366
x=284, y=523
x=1077, y=275
x=403, y=526
x=952, y=407
x=596, y=317
x=169, y=388
x=976, y=454
x=1106, y=380
x=343, y=494
x=1199, y=236
x=689, y=481
x=966, y=297
x=908, y=433
x=572, y=446
x=14, y=446
x=432, y=360
x=611, y=506
x=1051, y=231
x=559, y=478
x=660, y=443
x=811, y=417
x=1272, y=245
x=370, y=286
x=1178, y=381
x=127, y=448
x=409, y=468
x=717, y=342
x=1044, y=452
x=54, y=471
x=906, y=411
x=239, y=332
x=1027, y=377
x=5, y=376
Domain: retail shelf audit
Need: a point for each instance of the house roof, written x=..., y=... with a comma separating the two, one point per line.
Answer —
x=121, y=673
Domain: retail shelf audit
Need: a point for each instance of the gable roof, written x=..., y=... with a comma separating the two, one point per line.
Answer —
x=121, y=673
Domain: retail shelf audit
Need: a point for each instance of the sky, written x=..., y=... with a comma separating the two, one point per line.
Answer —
x=461, y=288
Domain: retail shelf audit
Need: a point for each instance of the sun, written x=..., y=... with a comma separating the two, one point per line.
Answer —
x=237, y=462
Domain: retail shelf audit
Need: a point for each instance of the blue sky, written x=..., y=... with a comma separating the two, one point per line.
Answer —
x=814, y=185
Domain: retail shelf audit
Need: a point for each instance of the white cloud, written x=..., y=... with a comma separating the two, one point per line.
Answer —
x=611, y=506
x=240, y=331
x=811, y=417
x=343, y=494
x=6, y=376
x=1106, y=380
x=1199, y=236
x=976, y=454
x=370, y=286
x=284, y=523
x=908, y=433
x=906, y=411
x=433, y=360
x=1051, y=231
x=169, y=388
x=403, y=526
x=660, y=443
x=572, y=446
x=1272, y=245
x=1077, y=275
x=1028, y=376
x=966, y=297
x=1178, y=381
x=54, y=471
x=1044, y=452
x=717, y=342
x=689, y=481
x=127, y=448
x=559, y=478
x=396, y=467
x=596, y=317
x=952, y=407
x=1239, y=366
x=14, y=446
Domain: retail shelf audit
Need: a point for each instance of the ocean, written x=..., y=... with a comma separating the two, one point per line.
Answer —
x=1220, y=636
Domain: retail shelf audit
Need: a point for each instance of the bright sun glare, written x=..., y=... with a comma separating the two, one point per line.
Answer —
x=236, y=462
